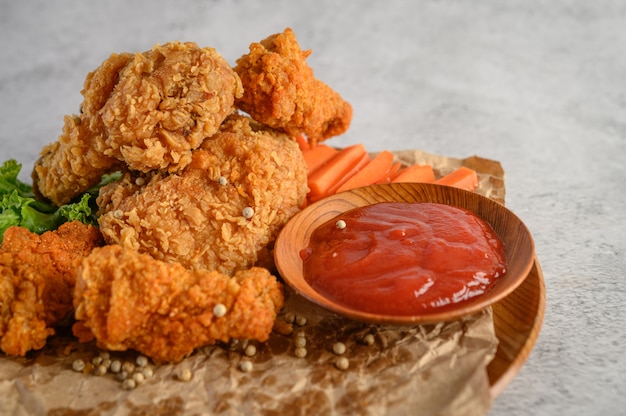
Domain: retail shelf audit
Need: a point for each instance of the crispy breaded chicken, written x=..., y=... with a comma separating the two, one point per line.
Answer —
x=222, y=211
x=128, y=300
x=141, y=112
x=37, y=277
x=281, y=91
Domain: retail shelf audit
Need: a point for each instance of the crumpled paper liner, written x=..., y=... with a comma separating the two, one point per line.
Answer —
x=428, y=370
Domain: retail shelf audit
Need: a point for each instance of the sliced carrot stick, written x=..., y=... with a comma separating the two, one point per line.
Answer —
x=361, y=163
x=322, y=179
x=302, y=142
x=463, y=177
x=370, y=173
x=415, y=173
x=359, y=166
x=317, y=156
x=391, y=173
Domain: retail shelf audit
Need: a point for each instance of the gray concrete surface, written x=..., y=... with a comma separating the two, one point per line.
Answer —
x=539, y=86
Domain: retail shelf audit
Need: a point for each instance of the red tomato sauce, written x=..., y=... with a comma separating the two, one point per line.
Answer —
x=403, y=258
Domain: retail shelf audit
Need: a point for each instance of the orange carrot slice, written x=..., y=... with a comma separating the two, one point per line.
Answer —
x=302, y=142
x=370, y=173
x=322, y=179
x=359, y=166
x=463, y=177
x=391, y=173
x=415, y=173
x=365, y=159
x=316, y=156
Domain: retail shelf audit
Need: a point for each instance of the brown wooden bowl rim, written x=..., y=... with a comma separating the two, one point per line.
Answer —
x=326, y=209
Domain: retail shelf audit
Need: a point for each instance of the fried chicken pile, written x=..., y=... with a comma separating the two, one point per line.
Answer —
x=140, y=111
x=222, y=211
x=37, y=279
x=211, y=172
x=165, y=311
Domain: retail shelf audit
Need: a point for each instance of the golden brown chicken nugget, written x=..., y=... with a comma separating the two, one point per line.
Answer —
x=222, y=211
x=281, y=91
x=132, y=301
x=37, y=277
x=140, y=111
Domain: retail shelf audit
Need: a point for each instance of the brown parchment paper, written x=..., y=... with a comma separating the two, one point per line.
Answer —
x=426, y=370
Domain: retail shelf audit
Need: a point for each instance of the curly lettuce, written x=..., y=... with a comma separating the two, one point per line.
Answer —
x=18, y=205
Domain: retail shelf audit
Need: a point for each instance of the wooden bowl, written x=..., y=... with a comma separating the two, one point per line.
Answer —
x=518, y=242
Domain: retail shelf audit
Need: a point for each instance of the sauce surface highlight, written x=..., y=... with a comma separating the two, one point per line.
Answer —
x=403, y=258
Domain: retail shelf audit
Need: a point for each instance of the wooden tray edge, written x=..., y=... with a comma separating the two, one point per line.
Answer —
x=517, y=321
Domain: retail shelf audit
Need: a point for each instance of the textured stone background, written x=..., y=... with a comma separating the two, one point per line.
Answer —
x=537, y=85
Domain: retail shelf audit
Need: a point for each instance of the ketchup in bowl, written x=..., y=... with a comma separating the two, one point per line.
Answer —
x=401, y=258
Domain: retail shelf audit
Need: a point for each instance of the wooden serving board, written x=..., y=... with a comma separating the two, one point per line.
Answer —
x=517, y=320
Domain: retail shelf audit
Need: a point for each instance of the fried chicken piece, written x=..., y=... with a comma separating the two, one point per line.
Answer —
x=222, y=211
x=37, y=277
x=281, y=91
x=130, y=300
x=142, y=112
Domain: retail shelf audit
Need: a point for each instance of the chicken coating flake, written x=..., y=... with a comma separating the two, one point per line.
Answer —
x=128, y=300
x=281, y=91
x=222, y=211
x=140, y=111
x=37, y=278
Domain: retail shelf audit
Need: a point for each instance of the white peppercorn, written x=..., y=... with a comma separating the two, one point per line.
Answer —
x=342, y=363
x=300, y=352
x=78, y=365
x=245, y=366
x=184, y=374
x=339, y=348
x=250, y=350
x=219, y=310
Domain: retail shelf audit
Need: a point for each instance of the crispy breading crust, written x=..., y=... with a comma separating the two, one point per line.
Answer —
x=132, y=301
x=37, y=277
x=191, y=218
x=281, y=91
x=141, y=111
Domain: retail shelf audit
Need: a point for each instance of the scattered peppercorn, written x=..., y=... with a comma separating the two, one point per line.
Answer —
x=128, y=367
x=342, y=363
x=219, y=310
x=300, y=352
x=250, y=350
x=139, y=378
x=141, y=361
x=184, y=374
x=368, y=339
x=147, y=372
x=290, y=317
x=339, y=348
x=78, y=365
x=116, y=366
x=300, y=342
x=129, y=384
x=100, y=370
x=247, y=212
x=121, y=375
x=245, y=366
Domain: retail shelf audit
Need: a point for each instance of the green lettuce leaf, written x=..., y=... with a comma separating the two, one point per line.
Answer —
x=18, y=205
